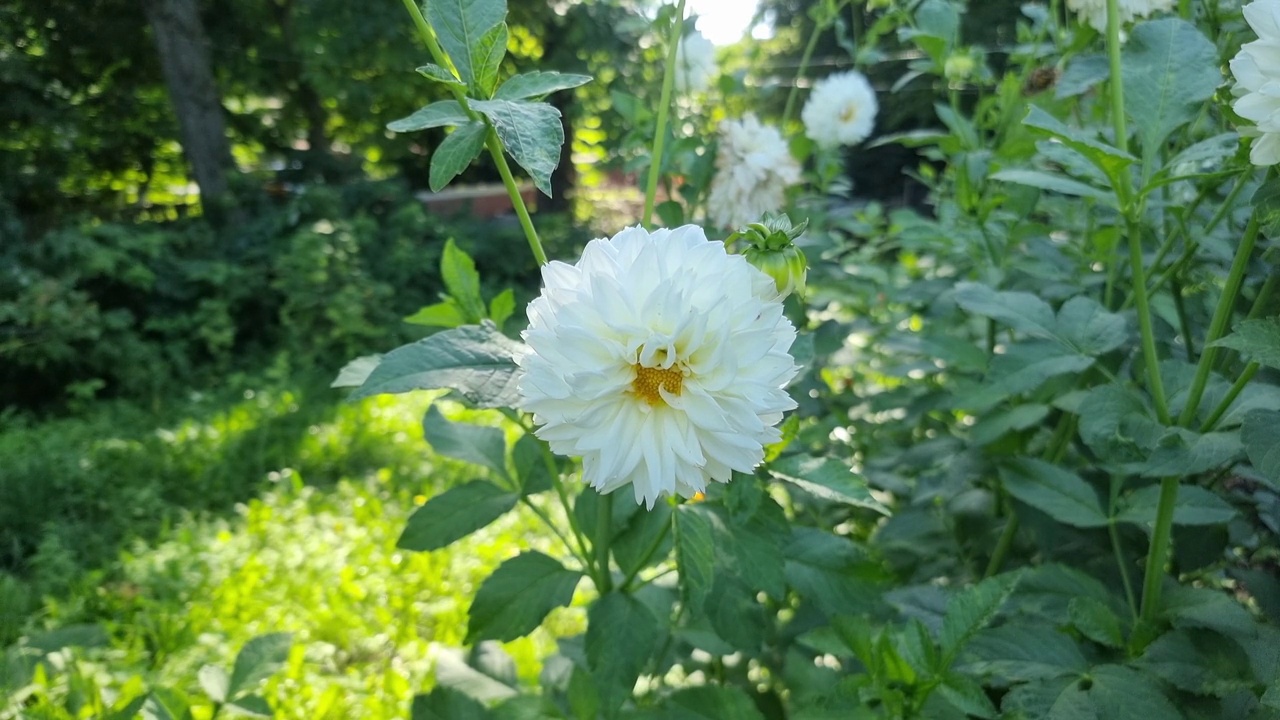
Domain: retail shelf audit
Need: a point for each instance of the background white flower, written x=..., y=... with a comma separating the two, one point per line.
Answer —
x=660, y=359
x=695, y=63
x=754, y=167
x=1094, y=12
x=1257, y=72
x=841, y=110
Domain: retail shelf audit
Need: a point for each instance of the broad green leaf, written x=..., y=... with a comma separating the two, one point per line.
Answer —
x=995, y=426
x=437, y=114
x=513, y=601
x=695, y=553
x=460, y=26
x=214, y=681
x=967, y=696
x=1182, y=452
x=709, y=702
x=257, y=661
x=823, y=567
x=165, y=704
x=447, y=314
x=1266, y=207
x=453, y=671
x=1257, y=340
x=828, y=479
x=1023, y=367
x=251, y=706
x=458, y=271
x=354, y=373
x=645, y=541
x=1021, y=651
x=1210, y=151
x=453, y=155
x=1089, y=328
x=1096, y=621
x=1174, y=658
x=621, y=636
x=537, y=84
x=1195, y=506
x=1169, y=69
x=474, y=360
x=488, y=58
x=751, y=549
x=435, y=73
x=1053, y=183
x=531, y=465
x=1121, y=693
x=1102, y=427
x=1215, y=609
x=1019, y=310
x=490, y=658
x=1107, y=158
x=1060, y=494
x=971, y=610
x=1261, y=435
x=455, y=514
x=1082, y=74
x=531, y=132
x=502, y=307
x=475, y=444
x=445, y=703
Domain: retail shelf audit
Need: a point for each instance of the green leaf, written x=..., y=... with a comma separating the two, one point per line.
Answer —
x=1102, y=422
x=1088, y=328
x=257, y=661
x=645, y=541
x=828, y=479
x=435, y=73
x=214, y=681
x=823, y=567
x=970, y=611
x=967, y=696
x=502, y=307
x=621, y=636
x=1261, y=435
x=1096, y=621
x=1182, y=452
x=165, y=704
x=474, y=360
x=709, y=702
x=531, y=465
x=1266, y=207
x=530, y=132
x=252, y=706
x=695, y=548
x=445, y=703
x=454, y=672
x=437, y=114
x=488, y=58
x=455, y=514
x=1022, y=651
x=1107, y=158
x=1169, y=69
x=458, y=271
x=671, y=213
x=1174, y=658
x=1195, y=506
x=513, y=601
x=461, y=26
x=1060, y=494
x=445, y=314
x=453, y=155
x=1053, y=183
x=1257, y=340
x=354, y=373
x=993, y=427
x=1121, y=693
x=1023, y=367
x=483, y=446
x=537, y=84
x=1021, y=311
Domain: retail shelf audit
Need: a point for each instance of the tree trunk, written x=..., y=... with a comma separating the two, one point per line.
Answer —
x=188, y=74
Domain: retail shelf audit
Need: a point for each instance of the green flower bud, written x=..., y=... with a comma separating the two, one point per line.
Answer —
x=959, y=67
x=787, y=267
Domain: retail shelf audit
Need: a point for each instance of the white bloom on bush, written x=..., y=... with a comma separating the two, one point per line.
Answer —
x=754, y=167
x=1094, y=12
x=660, y=359
x=695, y=63
x=841, y=110
x=1257, y=72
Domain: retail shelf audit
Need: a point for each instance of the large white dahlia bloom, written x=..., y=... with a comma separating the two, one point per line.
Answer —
x=841, y=110
x=1257, y=73
x=695, y=63
x=659, y=358
x=1094, y=12
x=754, y=167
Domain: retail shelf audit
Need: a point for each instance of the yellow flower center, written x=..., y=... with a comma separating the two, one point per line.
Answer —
x=848, y=113
x=649, y=379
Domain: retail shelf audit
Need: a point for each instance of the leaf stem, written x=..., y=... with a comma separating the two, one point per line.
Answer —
x=1236, y=388
x=1053, y=453
x=1116, y=548
x=1158, y=555
x=664, y=109
x=604, y=531
x=492, y=143
x=648, y=555
x=818, y=29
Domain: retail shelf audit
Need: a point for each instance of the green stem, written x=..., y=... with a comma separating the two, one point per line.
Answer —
x=1116, y=548
x=1264, y=296
x=664, y=109
x=1149, y=355
x=818, y=29
x=492, y=143
x=1117, y=84
x=1221, y=317
x=1053, y=453
x=1236, y=388
x=648, y=554
x=604, y=530
x=542, y=515
x=1158, y=555
x=1180, y=307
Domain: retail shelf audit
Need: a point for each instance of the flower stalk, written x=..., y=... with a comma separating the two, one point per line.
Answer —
x=664, y=110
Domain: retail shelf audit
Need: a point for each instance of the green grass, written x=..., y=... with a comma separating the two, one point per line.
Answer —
x=278, y=511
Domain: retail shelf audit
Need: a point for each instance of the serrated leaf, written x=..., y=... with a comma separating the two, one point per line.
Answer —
x=458, y=271
x=695, y=553
x=1181, y=452
x=1194, y=506
x=995, y=426
x=967, y=696
x=502, y=307
x=435, y=73
x=1169, y=69
x=1023, y=367
x=971, y=610
x=1053, y=182
x=475, y=360
x=823, y=567
x=257, y=661
x=445, y=703
x=621, y=636
x=437, y=114
x=1019, y=310
x=1266, y=207
x=828, y=479
x=251, y=706
x=1121, y=693
x=455, y=154
x=531, y=132
x=1081, y=75
x=460, y=26
x=535, y=85
x=214, y=681
x=354, y=373
x=531, y=465
x=1089, y=328
x=489, y=52
x=1107, y=158
x=445, y=314
x=475, y=444
x=1261, y=435
x=645, y=541
x=455, y=514
x=709, y=702
x=1257, y=340
x=1102, y=421
x=1060, y=494
x=1096, y=621
x=1020, y=651
x=514, y=600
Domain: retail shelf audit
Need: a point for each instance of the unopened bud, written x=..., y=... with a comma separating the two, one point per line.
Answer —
x=959, y=67
x=773, y=251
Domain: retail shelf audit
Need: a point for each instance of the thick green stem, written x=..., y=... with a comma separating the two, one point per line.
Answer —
x=1221, y=318
x=491, y=141
x=1158, y=555
x=1149, y=356
x=604, y=531
x=664, y=109
x=1264, y=296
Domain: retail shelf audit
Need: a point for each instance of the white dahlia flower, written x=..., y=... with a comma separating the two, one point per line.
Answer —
x=841, y=110
x=754, y=167
x=660, y=359
x=1257, y=73
x=1094, y=12
x=695, y=63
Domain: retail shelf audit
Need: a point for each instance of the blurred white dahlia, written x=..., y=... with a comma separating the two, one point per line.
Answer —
x=659, y=358
x=695, y=63
x=841, y=110
x=1257, y=72
x=1094, y=12
x=754, y=167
